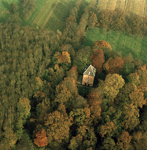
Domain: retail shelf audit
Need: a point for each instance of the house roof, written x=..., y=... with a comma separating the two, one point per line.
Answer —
x=90, y=71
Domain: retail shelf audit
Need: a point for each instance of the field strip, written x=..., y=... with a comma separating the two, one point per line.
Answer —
x=50, y=15
x=61, y=21
x=63, y=13
x=45, y=11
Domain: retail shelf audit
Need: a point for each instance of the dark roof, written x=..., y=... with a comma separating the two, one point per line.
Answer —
x=90, y=71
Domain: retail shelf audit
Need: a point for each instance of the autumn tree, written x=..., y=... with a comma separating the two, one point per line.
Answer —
x=105, y=19
x=118, y=21
x=89, y=137
x=23, y=112
x=101, y=45
x=58, y=128
x=73, y=72
x=95, y=99
x=113, y=65
x=123, y=141
x=80, y=102
x=133, y=78
x=41, y=139
x=68, y=48
x=97, y=60
x=137, y=98
x=81, y=116
x=110, y=87
x=92, y=21
x=75, y=142
x=123, y=96
x=139, y=140
x=66, y=92
x=108, y=144
x=142, y=72
x=62, y=59
x=108, y=129
x=131, y=117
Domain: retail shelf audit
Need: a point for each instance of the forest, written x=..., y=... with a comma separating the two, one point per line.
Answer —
x=41, y=106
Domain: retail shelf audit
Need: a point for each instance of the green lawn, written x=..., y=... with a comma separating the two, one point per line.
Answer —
x=58, y=17
x=44, y=13
x=120, y=42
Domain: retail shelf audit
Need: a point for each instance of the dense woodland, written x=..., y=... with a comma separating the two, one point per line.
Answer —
x=39, y=95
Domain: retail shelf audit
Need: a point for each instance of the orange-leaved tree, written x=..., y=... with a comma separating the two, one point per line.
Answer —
x=41, y=138
x=100, y=45
x=95, y=100
x=113, y=65
x=97, y=60
x=58, y=126
x=124, y=140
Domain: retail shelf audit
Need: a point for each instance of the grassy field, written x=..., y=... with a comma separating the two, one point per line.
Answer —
x=59, y=15
x=120, y=42
x=134, y=6
x=4, y=9
x=45, y=12
x=39, y=4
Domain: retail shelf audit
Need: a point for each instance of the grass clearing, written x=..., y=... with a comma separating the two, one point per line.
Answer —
x=45, y=13
x=120, y=42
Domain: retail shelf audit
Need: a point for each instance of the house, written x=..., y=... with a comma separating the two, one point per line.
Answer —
x=88, y=76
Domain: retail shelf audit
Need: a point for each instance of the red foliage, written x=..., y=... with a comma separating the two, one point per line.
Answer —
x=41, y=139
x=102, y=44
x=97, y=60
x=113, y=65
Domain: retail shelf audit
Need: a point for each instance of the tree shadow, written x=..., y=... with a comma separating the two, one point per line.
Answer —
x=6, y=5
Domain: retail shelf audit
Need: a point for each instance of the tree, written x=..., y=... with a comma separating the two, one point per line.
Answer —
x=105, y=19
x=113, y=65
x=133, y=78
x=41, y=139
x=137, y=98
x=73, y=72
x=100, y=45
x=131, y=117
x=108, y=144
x=97, y=60
x=68, y=48
x=124, y=140
x=123, y=96
x=108, y=129
x=92, y=21
x=79, y=102
x=81, y=116
x=95, y=99
x=75, y=142
x=58, y=128
x=82, y=58
x=110, y=87
x=139, y=140
x=13, y=8
x=118, y=21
